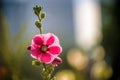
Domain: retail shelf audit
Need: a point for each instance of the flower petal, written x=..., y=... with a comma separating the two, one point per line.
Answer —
x=55, y=50
x=46, y=58
x=50, y=40
x=38, y=40
x=34, y=54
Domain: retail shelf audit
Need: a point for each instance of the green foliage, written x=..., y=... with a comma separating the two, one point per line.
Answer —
x=12, y=48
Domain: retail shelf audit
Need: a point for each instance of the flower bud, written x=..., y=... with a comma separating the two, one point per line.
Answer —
x=38, y=24
x=36, y=63
x=29, y=48
x=42, y=15
x=40, y=8
x=56, y=61
x=37, y=9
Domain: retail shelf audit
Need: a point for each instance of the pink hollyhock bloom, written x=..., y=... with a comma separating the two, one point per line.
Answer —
x=45, y=47
x=56, y=61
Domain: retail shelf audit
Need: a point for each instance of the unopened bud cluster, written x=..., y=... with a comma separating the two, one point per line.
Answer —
x=37, y=9
x=36, y=63
x=41, y=15
x=47, y=72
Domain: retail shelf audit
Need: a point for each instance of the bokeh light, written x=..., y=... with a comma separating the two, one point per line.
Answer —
x=98, y=53
x=65, y=75
x=100, y=70
x=77, y=59
x=87, y=19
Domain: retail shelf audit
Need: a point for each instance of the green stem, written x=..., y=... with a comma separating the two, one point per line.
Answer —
x=39, y=18
x=44, y=66
x=41, y=25
x=40, y=30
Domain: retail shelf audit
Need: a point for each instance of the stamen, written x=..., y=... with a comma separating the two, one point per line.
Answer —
x=44, y=48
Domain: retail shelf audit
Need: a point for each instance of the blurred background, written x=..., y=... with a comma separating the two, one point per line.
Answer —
x=88, y=31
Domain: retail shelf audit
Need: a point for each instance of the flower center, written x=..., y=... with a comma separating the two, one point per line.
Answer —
x=44, y=48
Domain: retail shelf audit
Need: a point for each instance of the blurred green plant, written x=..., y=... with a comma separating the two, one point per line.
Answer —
x=12, y=47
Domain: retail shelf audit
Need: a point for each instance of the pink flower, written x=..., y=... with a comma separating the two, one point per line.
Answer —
x=56, y=61
x=45, y=47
